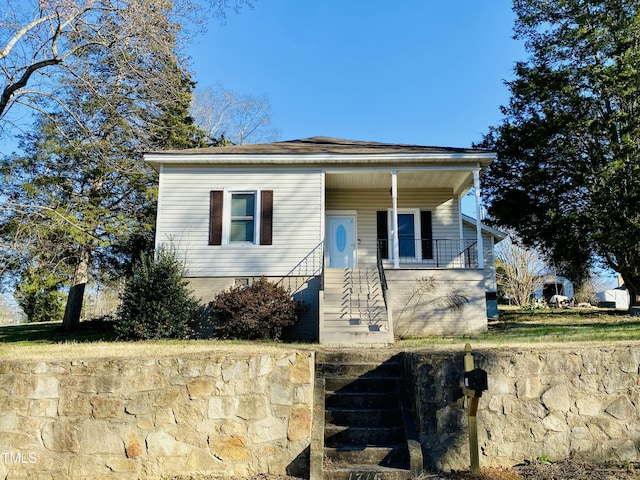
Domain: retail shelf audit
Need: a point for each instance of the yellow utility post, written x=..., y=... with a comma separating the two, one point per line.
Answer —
x=475, y=382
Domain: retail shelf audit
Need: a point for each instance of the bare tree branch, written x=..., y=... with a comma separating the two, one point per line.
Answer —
x=239, y=119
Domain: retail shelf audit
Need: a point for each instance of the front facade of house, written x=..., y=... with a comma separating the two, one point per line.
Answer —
x=369, y=235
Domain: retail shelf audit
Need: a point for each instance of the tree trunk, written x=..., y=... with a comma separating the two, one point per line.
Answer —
x=75, y=299
x=634, y=294
x=632, y=282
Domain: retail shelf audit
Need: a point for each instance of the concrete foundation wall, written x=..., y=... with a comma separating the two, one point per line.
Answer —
x=437, y=302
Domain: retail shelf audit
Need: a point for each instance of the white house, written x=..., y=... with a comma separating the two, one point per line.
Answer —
x=370, y=235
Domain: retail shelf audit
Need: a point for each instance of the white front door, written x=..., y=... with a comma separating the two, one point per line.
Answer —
x=341, y=241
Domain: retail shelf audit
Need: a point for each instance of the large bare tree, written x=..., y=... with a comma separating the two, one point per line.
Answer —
x=229, y=116
x=42, y=40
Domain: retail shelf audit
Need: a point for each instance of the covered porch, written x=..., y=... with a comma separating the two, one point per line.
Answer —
x=407, y=217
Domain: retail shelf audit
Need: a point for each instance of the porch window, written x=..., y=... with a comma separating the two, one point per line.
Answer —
x=410, y=222
x=407, y=234
x=240, y=217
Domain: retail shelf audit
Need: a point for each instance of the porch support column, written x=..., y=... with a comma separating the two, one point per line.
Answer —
x=476, y=187
x=394, y=219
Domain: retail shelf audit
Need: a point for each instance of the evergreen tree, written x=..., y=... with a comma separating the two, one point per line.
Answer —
x=567, y=174
x=81, y=181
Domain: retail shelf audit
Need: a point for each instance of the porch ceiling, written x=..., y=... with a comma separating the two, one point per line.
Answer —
x=456, y=180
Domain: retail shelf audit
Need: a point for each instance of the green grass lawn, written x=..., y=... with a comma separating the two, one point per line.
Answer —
x=522, y=326
x=514, y=326
x=52, y=332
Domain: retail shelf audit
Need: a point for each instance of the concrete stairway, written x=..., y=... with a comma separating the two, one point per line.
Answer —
x=368, y=432
x=353, y=308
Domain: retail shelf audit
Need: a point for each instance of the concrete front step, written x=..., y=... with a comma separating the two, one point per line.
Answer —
x=355, y=332
x=366, y=472
x=365, y=298
x=364, y=422
x=347, y=287
x=358, y=418
x=355, y=311
x=387, y=367
x=374, y=382
x=388, y=456
x=361, y=313
x=361, y=400
x=337, y=435
x=367, y=359
x=354, y=324
x=369, y=338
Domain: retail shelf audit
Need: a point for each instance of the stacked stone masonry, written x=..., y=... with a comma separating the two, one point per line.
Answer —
x=238, y=415
x=551, y=403
x=154, y=418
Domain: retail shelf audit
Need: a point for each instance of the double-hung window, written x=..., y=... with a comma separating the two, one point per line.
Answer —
x=239, y=217
x=242, y=217
x=415, y=233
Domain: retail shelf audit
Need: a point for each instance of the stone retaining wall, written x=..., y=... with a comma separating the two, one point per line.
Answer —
x=542, y=403
x=153, y=418
x=238, y=415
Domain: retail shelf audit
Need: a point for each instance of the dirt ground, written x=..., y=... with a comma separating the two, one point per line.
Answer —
x=565, y=470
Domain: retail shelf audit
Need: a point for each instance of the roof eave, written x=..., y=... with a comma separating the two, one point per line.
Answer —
x=485, y=228
x=481, y=159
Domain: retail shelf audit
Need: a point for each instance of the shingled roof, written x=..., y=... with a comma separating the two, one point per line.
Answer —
x=321, y=145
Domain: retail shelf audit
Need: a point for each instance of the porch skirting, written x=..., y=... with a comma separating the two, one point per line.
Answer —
x=437, y=302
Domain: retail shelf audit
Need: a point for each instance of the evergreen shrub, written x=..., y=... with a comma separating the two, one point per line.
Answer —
x=259, y=311
x=156, y=302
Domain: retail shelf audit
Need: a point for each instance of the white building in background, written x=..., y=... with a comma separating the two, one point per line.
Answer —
x=550, y=285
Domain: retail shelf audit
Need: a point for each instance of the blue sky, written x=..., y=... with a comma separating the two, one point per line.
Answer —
x=423, y=72
x=412, y=71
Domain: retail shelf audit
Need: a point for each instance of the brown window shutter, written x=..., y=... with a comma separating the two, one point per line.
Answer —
x=382, y=233
x=215, y=217
x=426, y=233
x=266, y=217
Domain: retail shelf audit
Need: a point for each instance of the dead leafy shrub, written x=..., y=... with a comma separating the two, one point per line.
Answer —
x=256, y=312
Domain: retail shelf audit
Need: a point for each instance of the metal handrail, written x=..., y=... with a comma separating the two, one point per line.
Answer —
x=312, y=265
x=438, y=253
x=383, y=278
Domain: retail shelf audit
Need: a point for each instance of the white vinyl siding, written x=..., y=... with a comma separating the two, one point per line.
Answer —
x=183, y=219
x=444, y=208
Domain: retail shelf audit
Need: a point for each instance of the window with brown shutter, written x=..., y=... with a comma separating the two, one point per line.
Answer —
x=241, y=217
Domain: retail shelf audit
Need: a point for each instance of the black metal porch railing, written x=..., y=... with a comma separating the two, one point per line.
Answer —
x=383, y=278
x=312, y=265
x=438, y=253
